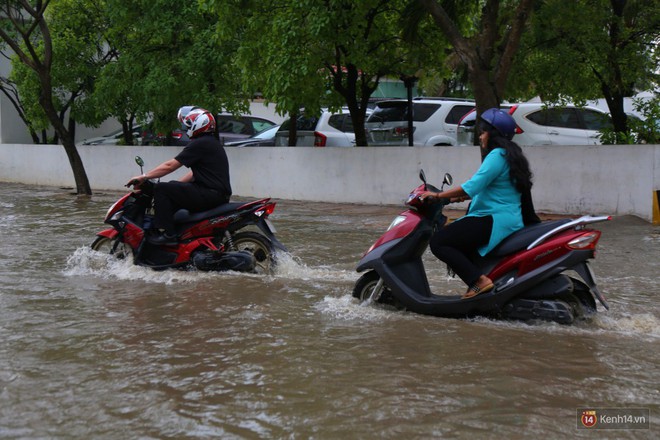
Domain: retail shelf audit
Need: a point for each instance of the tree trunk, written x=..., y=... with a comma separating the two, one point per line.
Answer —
x=347, y=86
x=79, y=174
x=615, y=93
x=293, y=128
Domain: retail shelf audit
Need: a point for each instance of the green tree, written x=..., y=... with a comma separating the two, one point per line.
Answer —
x=590, y=49
x=168, y=56
x=27, y=32
x=485, y=35
x=320, y=53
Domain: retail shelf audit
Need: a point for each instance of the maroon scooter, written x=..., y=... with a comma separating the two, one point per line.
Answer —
x=541, y=272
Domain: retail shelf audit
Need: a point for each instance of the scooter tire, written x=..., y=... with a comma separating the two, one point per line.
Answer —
x=259, y=246
x=107, y=246
x=365, y=285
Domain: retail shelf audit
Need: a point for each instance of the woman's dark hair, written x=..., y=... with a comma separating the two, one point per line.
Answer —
x=519, y=172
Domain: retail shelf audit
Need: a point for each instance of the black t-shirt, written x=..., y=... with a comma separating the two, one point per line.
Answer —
x=207, y=159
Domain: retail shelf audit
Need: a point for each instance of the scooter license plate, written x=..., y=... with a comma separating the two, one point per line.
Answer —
x=270, y=226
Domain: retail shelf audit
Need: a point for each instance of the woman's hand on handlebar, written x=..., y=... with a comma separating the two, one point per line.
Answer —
x=432, y=196
x=435, y=196
x=427, y=195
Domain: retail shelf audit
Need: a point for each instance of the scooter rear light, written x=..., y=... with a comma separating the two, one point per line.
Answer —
x=266, y=210
x=585, y=241
x=320, y=139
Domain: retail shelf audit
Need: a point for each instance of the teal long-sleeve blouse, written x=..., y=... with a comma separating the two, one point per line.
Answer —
x=493, y=193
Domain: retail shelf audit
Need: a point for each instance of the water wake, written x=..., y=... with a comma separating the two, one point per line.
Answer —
x=87, y=262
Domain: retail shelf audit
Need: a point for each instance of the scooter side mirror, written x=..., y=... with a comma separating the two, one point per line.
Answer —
x=422, y=177
x=448, y=180
x=139, y=161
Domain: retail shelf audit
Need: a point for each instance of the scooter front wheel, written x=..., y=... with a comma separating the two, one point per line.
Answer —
x=369, y=287
x=110, y=246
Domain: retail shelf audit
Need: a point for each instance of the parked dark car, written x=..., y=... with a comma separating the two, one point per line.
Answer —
x=265, y=138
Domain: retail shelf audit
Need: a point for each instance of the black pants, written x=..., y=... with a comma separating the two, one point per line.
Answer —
x=456, y=242
x=172, y=196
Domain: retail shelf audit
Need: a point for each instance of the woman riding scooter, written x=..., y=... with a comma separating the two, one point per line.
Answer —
x=495, y=210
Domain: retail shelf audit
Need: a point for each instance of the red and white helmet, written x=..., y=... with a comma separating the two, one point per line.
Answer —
x=183, y=112
x=198, y=121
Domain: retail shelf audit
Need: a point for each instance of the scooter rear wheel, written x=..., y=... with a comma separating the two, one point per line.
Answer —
x=259, y=246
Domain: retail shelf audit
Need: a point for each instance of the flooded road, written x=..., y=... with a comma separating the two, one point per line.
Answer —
x=96, y=348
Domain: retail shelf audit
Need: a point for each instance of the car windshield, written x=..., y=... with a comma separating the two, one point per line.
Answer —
x=268, y=133
x=302, y=123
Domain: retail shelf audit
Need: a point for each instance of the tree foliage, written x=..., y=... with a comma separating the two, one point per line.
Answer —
x=320, y=53
x=33, y=36
x=485, y=36
x=140, y=60
x=167, y=56
x=590, y=49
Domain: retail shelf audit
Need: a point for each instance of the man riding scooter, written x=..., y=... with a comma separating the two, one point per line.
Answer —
x=205, y=186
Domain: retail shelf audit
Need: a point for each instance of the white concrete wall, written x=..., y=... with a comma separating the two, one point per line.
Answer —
x=613, y=180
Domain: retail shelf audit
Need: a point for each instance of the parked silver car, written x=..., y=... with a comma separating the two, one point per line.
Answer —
x=434, y=121
x=327, y=130
x=539, y=124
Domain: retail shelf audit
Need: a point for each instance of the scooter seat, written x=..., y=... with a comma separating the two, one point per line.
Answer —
x=185, y=216
x=524, y=237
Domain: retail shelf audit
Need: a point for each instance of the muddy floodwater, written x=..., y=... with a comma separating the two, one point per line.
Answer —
x=94, y=348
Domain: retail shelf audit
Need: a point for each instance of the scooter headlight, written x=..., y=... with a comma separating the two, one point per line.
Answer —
x=111, y=209
x=397, y=221
x=117, y=215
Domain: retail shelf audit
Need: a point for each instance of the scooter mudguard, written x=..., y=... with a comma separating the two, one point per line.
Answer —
x=108, y=233
x=267, y=228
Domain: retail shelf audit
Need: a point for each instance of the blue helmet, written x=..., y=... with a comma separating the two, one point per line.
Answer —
x=502, y=121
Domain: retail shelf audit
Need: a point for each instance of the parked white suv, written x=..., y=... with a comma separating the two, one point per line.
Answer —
x=541, y=125
x=327, y=130
x=435, y=121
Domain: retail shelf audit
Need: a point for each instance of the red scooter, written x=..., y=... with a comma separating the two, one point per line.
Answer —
x=213, y=240
x=540, y=272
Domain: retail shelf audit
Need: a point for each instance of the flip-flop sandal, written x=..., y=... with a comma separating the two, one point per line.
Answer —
x=474, y=291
